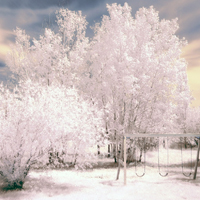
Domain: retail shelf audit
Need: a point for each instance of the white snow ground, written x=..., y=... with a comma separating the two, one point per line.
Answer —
x=101, y=184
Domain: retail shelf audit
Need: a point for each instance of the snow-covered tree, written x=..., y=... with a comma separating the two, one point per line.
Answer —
x=77, y=122
x=36, y=119
x=188, y=120
x=139, y=62
x=131, y=70
x=55, y=57
x=23, y=135
x=136, y=72
x=72, y=28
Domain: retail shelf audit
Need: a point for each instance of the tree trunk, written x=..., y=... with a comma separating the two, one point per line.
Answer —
x=109, y=151
x=98, y=149
x=140, y=159
x=120, y=157
x=115, y=152
x=185, y=141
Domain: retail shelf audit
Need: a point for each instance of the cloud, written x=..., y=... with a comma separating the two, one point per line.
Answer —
x=187, y=13
x=95, y=14
x=23, y=17
x=192, y=53
x=27, y=19
x=3, y=51
x=36, y=4
x=2, y=64
x=86, y=4
x=43, y=4
x=4, y=71
x=193, y=79
x=5, y=42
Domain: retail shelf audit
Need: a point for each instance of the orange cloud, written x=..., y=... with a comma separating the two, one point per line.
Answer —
x=192, y=55
x=4, y=43
x=3, y=51
x=194, y=83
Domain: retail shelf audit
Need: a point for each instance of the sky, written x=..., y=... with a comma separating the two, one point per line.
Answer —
x=35, y=15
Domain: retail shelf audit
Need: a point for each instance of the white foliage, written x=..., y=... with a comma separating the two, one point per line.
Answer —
x=35, y=118
x=23, y=135
x=55, y=57
x=137, y=70
x=131, y=71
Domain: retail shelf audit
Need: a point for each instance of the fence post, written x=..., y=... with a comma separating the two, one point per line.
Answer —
x=197, y=159
x=124, y=160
